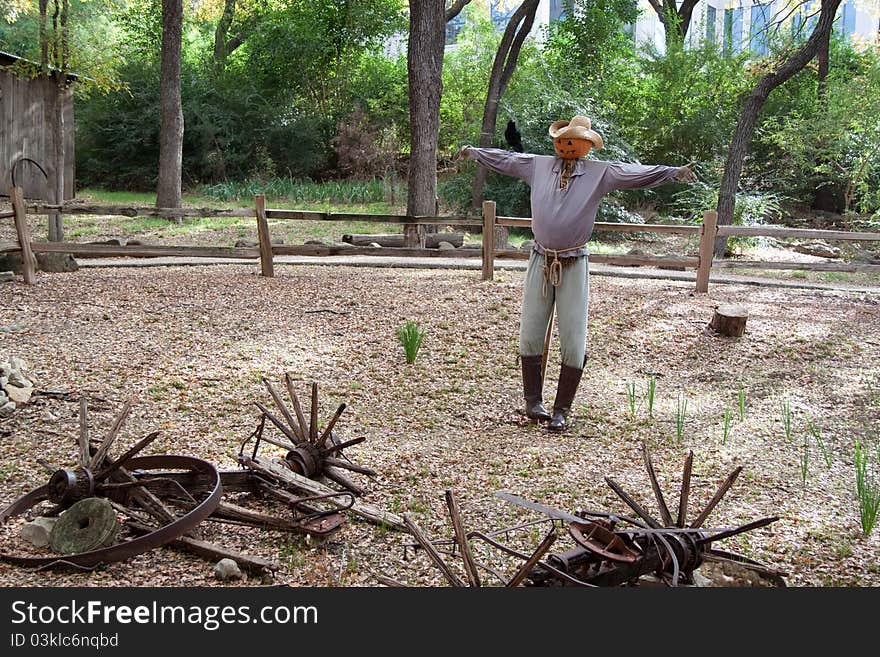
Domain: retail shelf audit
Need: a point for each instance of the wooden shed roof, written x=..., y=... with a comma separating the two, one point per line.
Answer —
x=8, y=59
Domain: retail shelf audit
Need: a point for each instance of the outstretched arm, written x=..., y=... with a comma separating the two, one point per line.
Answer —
x=638, y=176
x=518, y=165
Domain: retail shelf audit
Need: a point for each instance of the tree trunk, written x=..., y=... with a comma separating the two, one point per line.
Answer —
x=220, y=34
x=502, y=69
x=676, y=21
x=168, y=192
x=427, y=38
x=742, y=134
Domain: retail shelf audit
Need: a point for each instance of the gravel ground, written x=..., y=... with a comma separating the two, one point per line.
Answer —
x=189, y=345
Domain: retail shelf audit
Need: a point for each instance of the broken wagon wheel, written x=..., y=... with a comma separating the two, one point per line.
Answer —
x=160, y=536
x=311, y=452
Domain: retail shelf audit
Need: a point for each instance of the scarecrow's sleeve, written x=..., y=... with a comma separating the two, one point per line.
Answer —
x=518, y=165
x=620, y=175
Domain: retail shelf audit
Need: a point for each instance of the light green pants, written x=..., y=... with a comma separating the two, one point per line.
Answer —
x=571, y=297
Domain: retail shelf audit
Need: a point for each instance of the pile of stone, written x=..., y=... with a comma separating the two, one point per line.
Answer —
x=15, y=388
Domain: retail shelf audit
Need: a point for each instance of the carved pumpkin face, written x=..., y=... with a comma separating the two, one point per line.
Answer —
x=572, y=149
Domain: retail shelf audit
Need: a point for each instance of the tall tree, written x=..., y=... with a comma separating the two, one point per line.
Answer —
x=518, y=28
x=745, y=126
x=676, y=19
x=168, y=191
x=427, y=39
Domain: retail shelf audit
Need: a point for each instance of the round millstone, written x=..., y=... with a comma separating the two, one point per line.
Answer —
x=87, y=525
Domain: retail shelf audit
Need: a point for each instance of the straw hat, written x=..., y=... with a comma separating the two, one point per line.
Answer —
x=577, y=128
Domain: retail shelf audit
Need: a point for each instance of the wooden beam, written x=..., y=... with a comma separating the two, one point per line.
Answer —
x=137, y=211
x=805, y=266
x=525, y=222
x=319, y=250
x=304, y=215
x=488, y=240
x=707, y=250
x=366, y=511
x=143, y=251
x=28, y=261
x=267, y=267
x=782, y=231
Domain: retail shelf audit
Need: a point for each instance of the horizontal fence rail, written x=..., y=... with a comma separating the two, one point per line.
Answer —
x=488, y=252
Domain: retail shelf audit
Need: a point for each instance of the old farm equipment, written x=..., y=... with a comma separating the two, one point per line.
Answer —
x=162, y=499
x=609, y=549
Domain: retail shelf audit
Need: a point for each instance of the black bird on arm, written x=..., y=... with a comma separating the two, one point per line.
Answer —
x=513, y=138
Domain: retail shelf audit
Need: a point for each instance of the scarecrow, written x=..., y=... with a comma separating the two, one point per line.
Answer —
x=565, y=194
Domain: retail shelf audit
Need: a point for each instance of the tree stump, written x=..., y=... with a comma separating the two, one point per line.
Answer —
x=730, y=320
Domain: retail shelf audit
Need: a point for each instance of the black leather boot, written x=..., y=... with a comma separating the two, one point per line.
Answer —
x=569, y=379
x=533, y=388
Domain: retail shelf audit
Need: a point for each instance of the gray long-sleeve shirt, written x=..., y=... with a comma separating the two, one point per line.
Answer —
x=562, y=219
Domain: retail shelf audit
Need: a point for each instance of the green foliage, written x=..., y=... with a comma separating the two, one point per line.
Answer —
x=786, y=415
x=680, y=416
x=652, y=390
x=411, y=338
x=823, y=148
x=728, y=414
x=867, y=490
x=816, y=432
x=741, y=402
x=631, y=398
x=306, y=191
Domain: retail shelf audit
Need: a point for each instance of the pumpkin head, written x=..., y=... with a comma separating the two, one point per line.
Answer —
x=571, y=148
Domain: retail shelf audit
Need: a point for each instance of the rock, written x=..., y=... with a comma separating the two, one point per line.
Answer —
x=374, y=245
x=227, y=569
x=867, y=257
x=37, y=532
x=245, y=244
x=12, y=328
x=321, y=242
x=446, y=246
x=17, y=363
x=19, y=395
x=819, y=249
x=6, y=276
x=56, y=262
x=277, y=241
x=16, y=378
x=111, y=242
x=343, y=245
x=701, y=580
x=3, y=397
x=7, y=409
x=528, y=245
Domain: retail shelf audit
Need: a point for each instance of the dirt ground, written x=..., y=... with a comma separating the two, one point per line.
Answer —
x=189, y=345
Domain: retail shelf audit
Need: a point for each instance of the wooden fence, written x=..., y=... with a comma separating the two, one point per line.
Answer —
x=265, y=250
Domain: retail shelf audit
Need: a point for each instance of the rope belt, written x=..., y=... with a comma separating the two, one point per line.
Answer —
x=553, y=270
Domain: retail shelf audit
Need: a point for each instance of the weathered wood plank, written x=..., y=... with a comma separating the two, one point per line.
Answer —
x=212, y=551
x=600, y=226
x=28, y=261
x=707, y=250
x=488, y=250
x=305, y=215
x=361, y=509
x=143, y=251
x=137, y=211
x=782, y=231
x=267, y=267
x=804, y=266
x=396, y=240
x=319, y=250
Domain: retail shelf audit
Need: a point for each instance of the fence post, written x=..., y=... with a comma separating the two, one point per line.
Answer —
x=707, y=248
x=266, y=266
x=488, y=240
x=28, y=262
